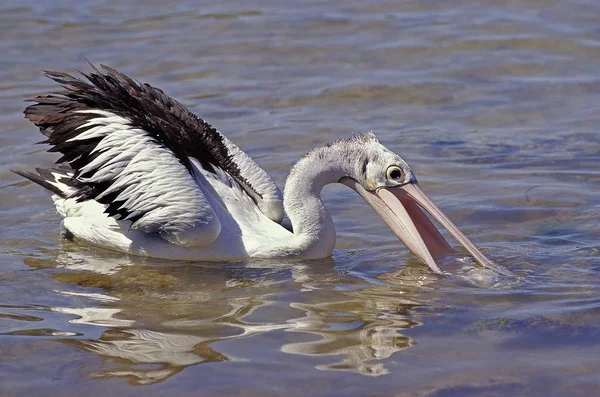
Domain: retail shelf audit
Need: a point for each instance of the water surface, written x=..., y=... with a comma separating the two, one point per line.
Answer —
x=496, y=107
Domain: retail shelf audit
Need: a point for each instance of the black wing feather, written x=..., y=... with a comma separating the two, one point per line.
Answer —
x=61, y=117
x=148, y=108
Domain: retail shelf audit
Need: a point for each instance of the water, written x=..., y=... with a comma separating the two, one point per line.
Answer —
x=495, y=106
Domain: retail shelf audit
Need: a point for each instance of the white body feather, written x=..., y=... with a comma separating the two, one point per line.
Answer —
x=245, y=231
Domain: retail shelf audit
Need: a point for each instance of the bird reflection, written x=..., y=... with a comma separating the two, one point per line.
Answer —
x=159, y=318
x=145, y=356
x=359, y=339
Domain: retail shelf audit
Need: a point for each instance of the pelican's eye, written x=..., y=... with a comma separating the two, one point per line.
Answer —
x=395, y=174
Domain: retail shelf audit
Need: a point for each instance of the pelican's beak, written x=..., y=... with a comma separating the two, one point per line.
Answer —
x=402, y=209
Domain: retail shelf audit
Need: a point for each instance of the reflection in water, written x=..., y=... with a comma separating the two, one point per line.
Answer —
x=171, y=317
x=102, y=317
x=358, y=339
x=146, y=356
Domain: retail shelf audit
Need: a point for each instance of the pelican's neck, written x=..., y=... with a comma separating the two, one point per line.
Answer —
x=314, y=233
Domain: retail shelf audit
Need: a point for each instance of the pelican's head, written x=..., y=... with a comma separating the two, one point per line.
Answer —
x=388, y=184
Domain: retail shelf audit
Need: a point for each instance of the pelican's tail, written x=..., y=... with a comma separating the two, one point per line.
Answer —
x=58, y=180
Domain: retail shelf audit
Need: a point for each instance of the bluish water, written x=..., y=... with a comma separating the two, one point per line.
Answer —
x=496, y=107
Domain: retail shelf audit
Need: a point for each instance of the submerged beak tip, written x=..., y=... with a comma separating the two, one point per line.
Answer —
x=429, y=241
x=402, y=207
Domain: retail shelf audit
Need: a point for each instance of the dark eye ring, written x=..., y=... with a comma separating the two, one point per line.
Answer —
x=394, y=173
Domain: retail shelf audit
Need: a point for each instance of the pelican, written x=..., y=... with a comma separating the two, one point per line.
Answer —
x=141, y=174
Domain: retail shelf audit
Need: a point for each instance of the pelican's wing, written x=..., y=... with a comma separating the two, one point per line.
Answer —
x=130, y=145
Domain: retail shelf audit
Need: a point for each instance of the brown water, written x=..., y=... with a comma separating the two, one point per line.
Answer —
x=496, y=106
